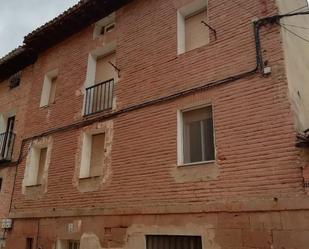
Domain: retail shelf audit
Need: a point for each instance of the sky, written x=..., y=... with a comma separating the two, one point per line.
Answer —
x=20, y=17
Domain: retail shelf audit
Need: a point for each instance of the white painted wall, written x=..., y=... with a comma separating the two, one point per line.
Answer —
x=296, y=53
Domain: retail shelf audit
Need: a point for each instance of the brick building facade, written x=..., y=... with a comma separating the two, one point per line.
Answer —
x=159, y=124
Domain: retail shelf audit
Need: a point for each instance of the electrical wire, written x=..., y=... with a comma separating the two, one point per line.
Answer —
x=306, y=6
x=293, y=33
x=294, y=26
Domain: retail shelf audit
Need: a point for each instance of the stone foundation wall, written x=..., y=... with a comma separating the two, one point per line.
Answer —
x=243, y=230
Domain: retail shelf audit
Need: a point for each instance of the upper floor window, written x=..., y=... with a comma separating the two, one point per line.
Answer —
x=49, y=88
x=101, y=77
x=192, y=32
x=7, y=137
x=15, y=80
x=196, y=136
x=1, y=181
x=93, y=155
x=105, y=26
x=37, y=166
x=37, y=163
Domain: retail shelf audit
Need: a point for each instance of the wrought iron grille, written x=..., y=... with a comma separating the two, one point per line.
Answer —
x=99, y=97
x=6, y=146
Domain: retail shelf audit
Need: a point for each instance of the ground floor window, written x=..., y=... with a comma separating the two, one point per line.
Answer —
x=68, y=244
x=73, y=244
x=29, y=243
x=173, y=242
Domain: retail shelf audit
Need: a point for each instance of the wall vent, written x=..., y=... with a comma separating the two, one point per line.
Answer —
x=14, y=80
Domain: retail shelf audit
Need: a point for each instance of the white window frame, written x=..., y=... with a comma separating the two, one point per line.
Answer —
x=46, y=90
x=33, y=161
x=34, y=165
x=106, y=21
x=4, y=118
x=180, y=136
x=84, y=171
x=182, y=13
x=92, y=66
x=3, y=123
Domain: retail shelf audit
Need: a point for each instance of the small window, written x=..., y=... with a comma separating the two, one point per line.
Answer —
x=93, y=155
x=1, y=180
x=197, y=136
x=15, y=80
x=108, y=28
x=29, y=243
x=49, y=89
x=42, y=162
x=52, y=94
x=173, y=242
x=37, y=166
x=104, y=26
x=97, y=154
x=192, y=31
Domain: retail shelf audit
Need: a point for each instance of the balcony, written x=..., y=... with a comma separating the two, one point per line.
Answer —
x=6, y=146
x=99, y=97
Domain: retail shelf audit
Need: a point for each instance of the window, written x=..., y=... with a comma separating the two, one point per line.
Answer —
x=192, y=32
x=108, y=28
x=7, y=137
x=93, y=155
x=49, y=89
x=104, y=69
x=73, y=244
x=67, y=244
x=52, y=94
x=173, y=242
x=104, y=26
x=101, y=77
x=42, y=162
x=37, y=166
x=15, y=80
x=1, y=181
x=29, y=243
x=196, y=136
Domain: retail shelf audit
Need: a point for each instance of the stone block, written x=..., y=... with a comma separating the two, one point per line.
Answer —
x=291, y=239
x=257, y=239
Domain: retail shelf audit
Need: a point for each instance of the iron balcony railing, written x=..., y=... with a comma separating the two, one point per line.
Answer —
x=99, y=97
x=6, y=146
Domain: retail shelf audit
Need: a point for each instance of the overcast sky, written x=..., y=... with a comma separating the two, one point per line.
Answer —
x=20, y=17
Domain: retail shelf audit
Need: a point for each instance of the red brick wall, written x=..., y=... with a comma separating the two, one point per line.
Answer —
x=254, y=132
x=248, y=230
x=12, y=100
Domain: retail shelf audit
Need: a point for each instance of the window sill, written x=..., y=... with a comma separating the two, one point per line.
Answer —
x=89, y=177
x=34, y=186
x=196, y=172
x=195, y=50
x=89, y=184
x=196, y=164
